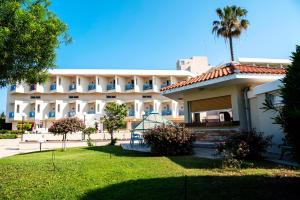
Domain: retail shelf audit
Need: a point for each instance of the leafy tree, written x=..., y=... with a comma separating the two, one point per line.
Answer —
x=29, y=36
x=66, y=126
x=231, y=24
x=2, y=115
x=114, y=118
x=88, y=131
x=25, y=126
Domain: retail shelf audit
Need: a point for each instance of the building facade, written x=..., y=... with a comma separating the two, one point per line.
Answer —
x=83, y=93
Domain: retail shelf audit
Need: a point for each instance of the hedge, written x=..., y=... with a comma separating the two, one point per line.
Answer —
x=8, y=136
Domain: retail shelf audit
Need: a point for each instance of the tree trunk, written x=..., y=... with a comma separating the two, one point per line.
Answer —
x=111, y=135
x=231, y=49
x=64, y=139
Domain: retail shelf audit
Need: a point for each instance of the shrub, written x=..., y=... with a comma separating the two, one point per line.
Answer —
x=231, y=162
x=88, y=131
x=8, y=136
x=170, y=140
x=247, y=145
x=17, y=132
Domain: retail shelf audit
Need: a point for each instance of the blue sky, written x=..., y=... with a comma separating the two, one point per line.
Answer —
x=153, y=34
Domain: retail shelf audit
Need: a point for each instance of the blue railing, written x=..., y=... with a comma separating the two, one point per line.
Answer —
x=51, y=114
x=181, y=112
x=147, y=87
x=53, y=86
x=129, y=86
x=72, y=113
x=166, y=112
x=111, y=87
x=32, y=87
x=131, y=113
x=147, y=112
x=91, y=112
x=13, y=88
x=32, y=114
x=92, y=86
x=164, y=85
x=11, y=114
x=72, y=87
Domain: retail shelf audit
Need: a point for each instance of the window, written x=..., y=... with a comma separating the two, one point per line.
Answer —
x=59, y=81
x=147, y=97
x=78, y=108
x=58, y=108
x=274, y=99
x=38, y=108
x=73, y=97
x=110, y=97
x=35, y=97
x=18, y=108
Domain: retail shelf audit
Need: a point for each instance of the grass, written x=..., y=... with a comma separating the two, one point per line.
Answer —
x=112, y=173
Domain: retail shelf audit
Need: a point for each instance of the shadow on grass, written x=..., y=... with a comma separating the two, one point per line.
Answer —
x=202, y=187
x=118, y=151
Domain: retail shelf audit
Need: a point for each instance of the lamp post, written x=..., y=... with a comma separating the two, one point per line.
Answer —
x=46, y=118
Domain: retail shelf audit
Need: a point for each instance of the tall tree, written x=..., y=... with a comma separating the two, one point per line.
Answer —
x=29, y=36
x=114, y=117
x=230, y=25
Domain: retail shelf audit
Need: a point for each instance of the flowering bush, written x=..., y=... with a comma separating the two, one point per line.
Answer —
x=247, y=145
x=169, y=140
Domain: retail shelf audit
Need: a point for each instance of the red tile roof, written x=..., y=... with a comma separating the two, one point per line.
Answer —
x=225, y=71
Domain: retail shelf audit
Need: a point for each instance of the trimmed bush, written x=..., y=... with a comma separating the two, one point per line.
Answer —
x=17, y=132
x=170, y=140
x=8, y=136
x=246, y=146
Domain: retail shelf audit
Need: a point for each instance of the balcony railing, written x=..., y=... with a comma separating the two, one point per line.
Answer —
x=32, y=114
x=13, y=88
x=53, y=86
x=111, y=87
x=11, y=114
x=129, y=86
x=148, y=112
x=51, y=114
x=164, y=85
x=147, y=87
x=131, y=113
x=181, y=112
x=32, y=87
x=166, y=112
x=91, y=112
x=72, y=87
x=92, y=86
x=72, y=113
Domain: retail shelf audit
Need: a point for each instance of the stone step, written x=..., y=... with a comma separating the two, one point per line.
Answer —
x=205, y=144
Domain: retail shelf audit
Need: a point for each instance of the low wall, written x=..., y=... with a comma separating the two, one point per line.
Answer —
x=121, y=135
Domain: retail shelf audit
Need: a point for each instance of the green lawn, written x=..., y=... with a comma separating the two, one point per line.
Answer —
x=111, y=173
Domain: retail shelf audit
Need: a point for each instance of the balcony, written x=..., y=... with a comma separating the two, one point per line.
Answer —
x=31, y=114
x=53, y=86
x=11, y=115
x=164, y=85
x=147, y=87
x=166, y=112
x=51, y=114
x=91, y=112
x=32, y=87
x=72, y=113
x=111, y=87
x=131, y=113
x=148, y=112
x=92, y=86
x=13, y=88
x=129, y=86
x=181, y=112
x=72, y=87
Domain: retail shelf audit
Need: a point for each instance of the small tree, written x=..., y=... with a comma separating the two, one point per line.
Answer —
x=65, y=126
x=114, y=118
x=88, y=131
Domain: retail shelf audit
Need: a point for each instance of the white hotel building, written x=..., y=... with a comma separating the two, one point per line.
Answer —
x=83, y=93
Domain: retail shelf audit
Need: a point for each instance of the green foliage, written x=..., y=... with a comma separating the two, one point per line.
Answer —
x=290, y=113
x=26, y=126
x=2, y=116
x=114, y=117
x=17, y=132
x=29, y=35
x=231, y=24
x=246, y=146
x=8, y=136
x=88, y=131
x=230, y=161
x=170, y=140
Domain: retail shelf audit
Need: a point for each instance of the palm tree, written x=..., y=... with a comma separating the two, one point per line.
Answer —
x=231, y=24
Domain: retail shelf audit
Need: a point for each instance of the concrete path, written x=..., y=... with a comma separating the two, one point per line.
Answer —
x=9, y=147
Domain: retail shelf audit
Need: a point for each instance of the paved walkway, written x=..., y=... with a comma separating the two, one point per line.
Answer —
x=9, y=147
